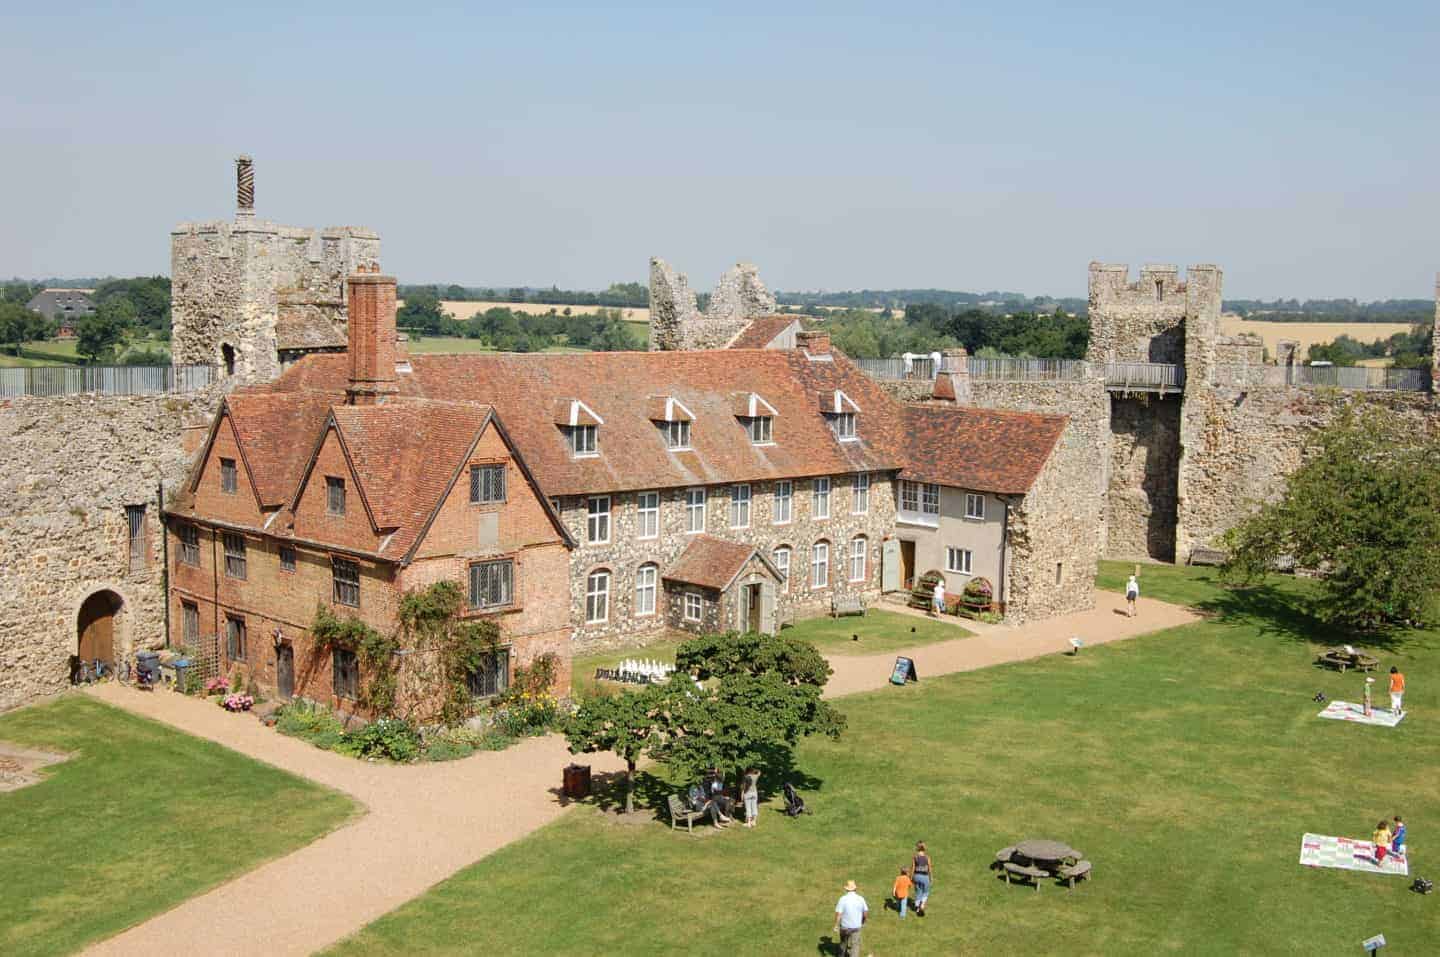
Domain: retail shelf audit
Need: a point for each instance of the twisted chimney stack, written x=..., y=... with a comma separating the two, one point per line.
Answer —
x=244, y=187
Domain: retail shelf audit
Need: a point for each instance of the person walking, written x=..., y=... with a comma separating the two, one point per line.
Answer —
x=1132, y=593
x=851, y=912
x=901, y=890
x=922, y=872
x=937, y=602
x=750, y=794
x=1397, y=691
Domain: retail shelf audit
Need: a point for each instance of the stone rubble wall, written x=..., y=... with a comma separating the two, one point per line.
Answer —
x=676, y=321
x=740, y=294
x=1144, y=476
x=72, y=464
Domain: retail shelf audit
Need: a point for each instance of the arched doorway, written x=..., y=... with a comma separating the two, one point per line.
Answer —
x=227, y=356
x=95, y=627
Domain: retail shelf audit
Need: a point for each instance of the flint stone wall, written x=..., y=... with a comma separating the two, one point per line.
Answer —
x=1141, y=501
x=676, y=321
x=72, y=464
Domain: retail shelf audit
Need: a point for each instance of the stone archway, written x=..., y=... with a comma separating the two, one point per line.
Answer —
x=98, y=628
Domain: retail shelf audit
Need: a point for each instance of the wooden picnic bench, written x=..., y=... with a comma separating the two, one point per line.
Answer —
x=1071, y=873
x=842, y=605
x=1207, y=556
x=1341, y=659
x=1018, y=871
x=679, y=812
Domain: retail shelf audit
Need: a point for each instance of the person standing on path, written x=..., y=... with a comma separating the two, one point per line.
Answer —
x=750, y=794
x=937, y=603
x=1132, y=592
x=1397, y=691
x=922, y=871
x=851, y=912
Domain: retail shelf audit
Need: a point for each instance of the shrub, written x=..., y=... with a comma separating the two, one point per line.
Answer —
x=393, y=738
x=217, y=685
x=979, y=591
x=309, y=722
x=237, y=702
x=448, y=744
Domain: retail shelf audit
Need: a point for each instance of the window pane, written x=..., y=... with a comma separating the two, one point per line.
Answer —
x=648, y=508
x=782, y=562
x=857, y=559
x=597, y=597
x=820, y=565
x=597, y=524
x=861, y=502
x=287, y=558
x=645, y=590
x=335, y=495
x=492, y=583
x=821, y=497
x=345, y=576
x=739, y=506
x=695, y=510
x=784, y=494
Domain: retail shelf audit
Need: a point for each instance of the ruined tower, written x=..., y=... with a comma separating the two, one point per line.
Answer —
x=676, y=322
x=249, y=295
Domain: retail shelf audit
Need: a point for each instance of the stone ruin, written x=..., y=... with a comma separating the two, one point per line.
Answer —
x=676, y=321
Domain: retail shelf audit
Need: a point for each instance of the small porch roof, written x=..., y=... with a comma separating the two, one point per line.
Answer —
x=714, y=563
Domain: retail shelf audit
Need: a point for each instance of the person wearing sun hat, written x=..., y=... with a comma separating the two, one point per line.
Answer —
x=851, y=912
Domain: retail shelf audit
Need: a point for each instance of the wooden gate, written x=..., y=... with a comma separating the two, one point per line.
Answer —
x=285, y=671
x=96, y=627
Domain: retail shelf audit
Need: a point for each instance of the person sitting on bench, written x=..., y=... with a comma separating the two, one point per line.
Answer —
x=698, y=802
x=715, y=787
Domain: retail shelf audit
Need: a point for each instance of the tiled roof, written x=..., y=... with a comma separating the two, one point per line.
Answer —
x=302, y=327
x=709, y=562
x=980, y=449
x=617, y=386
x=762, y=331
x=276, y=432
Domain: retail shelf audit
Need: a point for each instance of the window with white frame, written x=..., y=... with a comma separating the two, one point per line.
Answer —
x=597, y=597
x=761, y=430
x=584, y=440
x=693, y=606
x=920, y=503
x=694, y=510
x=677, y=434
x=492, y=584
x=487, y=484
x=843, y=424
x=740, y=506
x=957, y=560
x=645, y=584
x=647, y=515
x=597, y=519
x=820, y=565
x=781, y=555
x=974, y=505
x=858, y=547
x=820, y=497
x=783, y=501
x=860, y=500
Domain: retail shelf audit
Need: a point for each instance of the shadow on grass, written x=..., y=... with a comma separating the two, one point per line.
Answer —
x=827, y=945
x=1281, y=613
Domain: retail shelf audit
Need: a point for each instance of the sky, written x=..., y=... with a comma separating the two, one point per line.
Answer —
x=836, y=145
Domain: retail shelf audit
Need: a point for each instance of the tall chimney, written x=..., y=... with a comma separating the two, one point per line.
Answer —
x=372, y=337
x=244, y=187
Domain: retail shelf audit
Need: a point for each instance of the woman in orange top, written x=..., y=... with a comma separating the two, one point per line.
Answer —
x=1397, y=691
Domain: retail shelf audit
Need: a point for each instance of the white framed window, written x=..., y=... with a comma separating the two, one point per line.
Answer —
x=957, y=560
x=740, y=506
x=693, y=606
x=762, y=430
x=909, y=496
x=843, y=423
x=920, y=503
x=677, y=434
x=584, y=440
x=820, y=565
x=597, y=597
x=858, y=549
x=647, y=515
x=974, y=505
x=930, y=499
x=645, y=579
x=597, y=519
x=694, y=510
x=820, y=497
x=860, y=500
x=782, y=503
x=781, y=555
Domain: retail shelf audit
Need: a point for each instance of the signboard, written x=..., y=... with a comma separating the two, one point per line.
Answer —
x=904, y=671
x=1374, y=943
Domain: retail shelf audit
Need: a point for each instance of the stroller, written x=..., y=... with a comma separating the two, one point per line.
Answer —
x=794, y=803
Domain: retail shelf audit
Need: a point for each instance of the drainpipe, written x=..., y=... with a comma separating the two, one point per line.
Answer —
x=215, y=592
x=164, y=556
x=1004, y=550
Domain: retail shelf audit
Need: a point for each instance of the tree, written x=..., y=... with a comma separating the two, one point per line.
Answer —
x=1364, y=509
x=422, y=312
x=19, y=325
x=98, y=334
x=627, y=725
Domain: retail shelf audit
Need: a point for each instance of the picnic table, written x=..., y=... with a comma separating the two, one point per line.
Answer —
x=1036, y=859
x=1046, y=852
x=1347, y=657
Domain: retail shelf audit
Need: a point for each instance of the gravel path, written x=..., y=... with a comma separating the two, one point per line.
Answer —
x=424, y=822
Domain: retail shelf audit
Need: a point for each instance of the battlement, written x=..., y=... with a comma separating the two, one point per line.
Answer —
x=1152, y=318
x=1110, y=282
x=676, y=322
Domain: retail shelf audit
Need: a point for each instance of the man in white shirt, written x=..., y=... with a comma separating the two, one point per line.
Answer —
x=850, y=914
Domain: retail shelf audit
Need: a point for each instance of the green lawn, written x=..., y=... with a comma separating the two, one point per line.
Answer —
x=140, y=818
x=1185, y=764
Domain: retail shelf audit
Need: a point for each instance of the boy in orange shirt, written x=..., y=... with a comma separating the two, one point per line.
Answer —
x=1397, y=691
x=901, y=890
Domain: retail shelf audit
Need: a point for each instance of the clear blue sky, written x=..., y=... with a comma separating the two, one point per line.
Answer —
x=836, y=145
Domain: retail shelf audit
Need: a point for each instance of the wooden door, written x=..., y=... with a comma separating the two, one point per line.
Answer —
x=285, y=671
x=767, y=609
x=752, y=610
x=97, y=628
x=890, y=576
x=907, y=564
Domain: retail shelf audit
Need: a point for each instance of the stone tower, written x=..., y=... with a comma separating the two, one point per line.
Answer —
x=1150, y=320
x=247, y=295
x=676, y=322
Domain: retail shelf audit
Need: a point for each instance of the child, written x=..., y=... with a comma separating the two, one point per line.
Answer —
x=1382, y=841
x=1397, y=843
x=1132, y=592
x=1397, y=691
x=901, y=890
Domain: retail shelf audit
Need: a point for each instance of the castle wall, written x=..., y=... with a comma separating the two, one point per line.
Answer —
x=1140, y=500
x=72, y=464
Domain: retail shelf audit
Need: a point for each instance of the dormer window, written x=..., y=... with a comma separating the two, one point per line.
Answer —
x=581, y=425
x=584, y=440
x=673, y=419
x=844, y=426
x=757, y=415
x=761, y=431
x=841, y=411
x=677, y=435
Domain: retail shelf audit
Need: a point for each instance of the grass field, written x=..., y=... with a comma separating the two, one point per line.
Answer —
x=1185, y=764
x=1310, y=333
x=139, y=819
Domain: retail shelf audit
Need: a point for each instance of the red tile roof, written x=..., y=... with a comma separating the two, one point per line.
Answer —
x=618, y=385
x=762, y=331
x=275, y=432
x=980, y=449
x=709, y=562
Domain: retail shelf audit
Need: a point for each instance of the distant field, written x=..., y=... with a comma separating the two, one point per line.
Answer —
x=448, y=345
x=1310, y=333
x=464, y=310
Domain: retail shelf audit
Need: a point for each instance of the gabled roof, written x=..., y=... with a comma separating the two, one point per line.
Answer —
x=761, y=332
x=713, y=563
x=526, y=392
x=984, y=450
x=274, y=431
x=835, y=401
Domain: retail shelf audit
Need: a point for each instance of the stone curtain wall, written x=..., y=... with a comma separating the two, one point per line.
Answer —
x=71, y=465
x=676, y=321
x=1144, y=477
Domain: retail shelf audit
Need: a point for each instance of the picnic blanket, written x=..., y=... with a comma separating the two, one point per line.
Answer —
x=1345, y=711
x=1350, y=854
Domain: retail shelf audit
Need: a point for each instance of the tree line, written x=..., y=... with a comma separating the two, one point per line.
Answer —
x=932, y=327
x=1406, y=350
x=619, y=295
x=506, y=330
x=1333, y=310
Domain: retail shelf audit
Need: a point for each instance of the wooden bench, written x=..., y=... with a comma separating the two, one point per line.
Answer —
x=846, y=605
x=1035, y=874
x=1002, y=856
x=1341, y=659
x=1206, y=556
x=1080, y=870
x=679, y=812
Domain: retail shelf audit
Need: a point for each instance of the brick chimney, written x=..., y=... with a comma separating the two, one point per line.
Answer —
x=952, y=378
x=813, y=341
x=372, y=337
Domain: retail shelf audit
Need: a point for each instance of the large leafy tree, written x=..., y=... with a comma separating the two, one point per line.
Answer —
x=628, y=725
x=1364, y=509
x=18, y=324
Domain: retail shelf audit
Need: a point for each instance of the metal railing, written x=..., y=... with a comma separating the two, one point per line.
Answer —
x=1011, y=369
x=104, y=380
x=1144, y=376
x=1357, y=377
x=897, y=368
